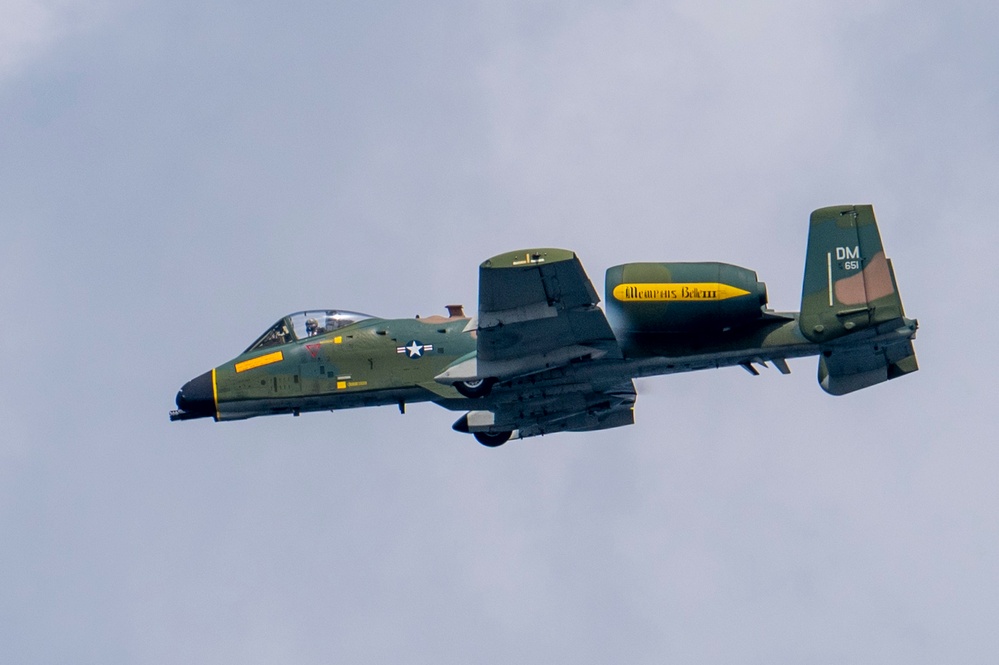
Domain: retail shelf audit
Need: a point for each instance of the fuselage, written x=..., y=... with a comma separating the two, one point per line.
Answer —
x=378, y=361
x=371, y=362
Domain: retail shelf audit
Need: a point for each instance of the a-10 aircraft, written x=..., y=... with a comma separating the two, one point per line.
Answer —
x=541, y=357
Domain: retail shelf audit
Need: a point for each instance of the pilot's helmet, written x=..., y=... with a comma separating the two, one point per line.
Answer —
x=312, y=325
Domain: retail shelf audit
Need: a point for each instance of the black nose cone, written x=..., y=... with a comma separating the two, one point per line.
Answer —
x=196, y=398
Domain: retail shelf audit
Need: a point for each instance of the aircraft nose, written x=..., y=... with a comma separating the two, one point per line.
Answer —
x=196, y=398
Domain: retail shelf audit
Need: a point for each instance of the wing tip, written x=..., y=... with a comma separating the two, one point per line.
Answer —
x=529, y=257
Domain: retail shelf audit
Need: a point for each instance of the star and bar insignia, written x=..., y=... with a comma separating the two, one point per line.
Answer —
x=414, y=349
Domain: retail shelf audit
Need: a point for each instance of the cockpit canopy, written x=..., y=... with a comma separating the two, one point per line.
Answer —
x=302, y=325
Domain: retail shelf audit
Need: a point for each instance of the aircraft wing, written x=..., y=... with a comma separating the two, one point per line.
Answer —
x=574, y=408
x=537, y=311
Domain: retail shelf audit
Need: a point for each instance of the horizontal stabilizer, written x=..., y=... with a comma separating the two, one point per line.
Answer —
x=851, y=368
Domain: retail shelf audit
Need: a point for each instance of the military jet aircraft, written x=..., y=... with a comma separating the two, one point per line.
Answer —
x=541, y=356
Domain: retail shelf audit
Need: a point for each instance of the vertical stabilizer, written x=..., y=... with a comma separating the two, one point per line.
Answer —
x=850, y=287
x=849, y=283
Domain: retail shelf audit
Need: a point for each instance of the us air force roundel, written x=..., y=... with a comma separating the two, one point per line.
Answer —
x=414, y=349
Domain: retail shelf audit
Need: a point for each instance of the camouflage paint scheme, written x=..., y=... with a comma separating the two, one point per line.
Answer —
x=542, y=357
x=358, y=365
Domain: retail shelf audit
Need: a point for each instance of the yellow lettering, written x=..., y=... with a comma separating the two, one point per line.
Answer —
x=669, y=292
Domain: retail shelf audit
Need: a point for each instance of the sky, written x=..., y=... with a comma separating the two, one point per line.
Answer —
x=177, y=176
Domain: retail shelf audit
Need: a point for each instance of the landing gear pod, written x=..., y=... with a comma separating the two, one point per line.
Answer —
x=682, y=297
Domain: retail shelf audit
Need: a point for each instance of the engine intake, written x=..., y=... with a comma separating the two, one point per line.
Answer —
x=682, y=297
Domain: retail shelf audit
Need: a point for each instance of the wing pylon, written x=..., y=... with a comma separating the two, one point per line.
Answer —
x=584, y=410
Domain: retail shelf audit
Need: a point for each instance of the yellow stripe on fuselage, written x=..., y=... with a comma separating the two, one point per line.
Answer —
x=215, y=396
x=676, y=292
x=260, y=361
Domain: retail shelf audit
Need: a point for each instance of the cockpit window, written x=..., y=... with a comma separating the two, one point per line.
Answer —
x=302, y=325
x=278, y=334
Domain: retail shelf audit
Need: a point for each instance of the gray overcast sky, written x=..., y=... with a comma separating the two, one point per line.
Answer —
x=176, y=176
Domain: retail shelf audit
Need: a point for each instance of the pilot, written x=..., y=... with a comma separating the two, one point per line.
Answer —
x=312, y=327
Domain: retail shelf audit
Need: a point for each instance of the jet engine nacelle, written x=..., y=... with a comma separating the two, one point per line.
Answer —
x=682, y=297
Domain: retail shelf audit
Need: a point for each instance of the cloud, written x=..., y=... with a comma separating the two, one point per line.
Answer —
x=28, y=28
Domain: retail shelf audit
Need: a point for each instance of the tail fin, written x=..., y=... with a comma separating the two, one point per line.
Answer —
x=849, y=287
